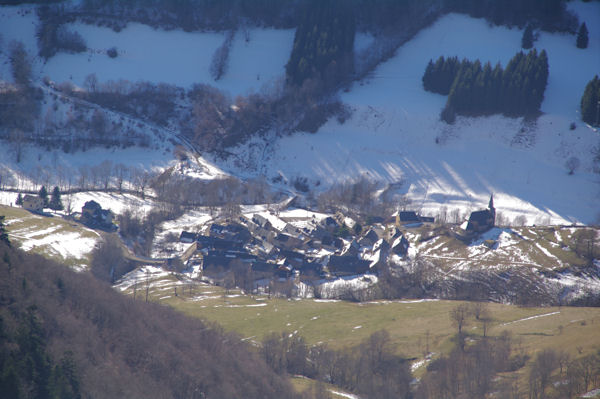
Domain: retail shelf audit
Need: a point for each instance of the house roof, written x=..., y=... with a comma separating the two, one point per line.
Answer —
x=481, y=219
x=400, y=245
x=188, y=235
x=408, y=216
x=481, y=216
x=260, y=266
x=92, y=205
x=347, y=264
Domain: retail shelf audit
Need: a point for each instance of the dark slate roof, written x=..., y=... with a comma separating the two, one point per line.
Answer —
x=264, y=267
x=310, y=267
x=371, y=235
x=233, y=254
x=347, y=264
x=408, y=216
x=400, y=245
x=329, y=221
x=92, y=205
x=216, y=243
x=211, y=262
x=261, y=221
x=481, y=217
x=283, y=237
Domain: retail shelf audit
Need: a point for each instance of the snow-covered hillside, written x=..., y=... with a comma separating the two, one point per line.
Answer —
x=257, y=55
x=395, y=133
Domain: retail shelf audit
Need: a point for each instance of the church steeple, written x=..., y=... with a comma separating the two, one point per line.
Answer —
x=492, y=209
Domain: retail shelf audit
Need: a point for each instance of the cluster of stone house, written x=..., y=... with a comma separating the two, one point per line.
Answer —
x=273, y=247
x=301, y=248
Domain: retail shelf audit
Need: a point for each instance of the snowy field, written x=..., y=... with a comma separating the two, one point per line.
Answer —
x=395, y=124
x=257, y=57
x=175, y=57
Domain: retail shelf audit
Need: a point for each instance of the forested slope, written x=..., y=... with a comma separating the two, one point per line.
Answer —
x=65, y=335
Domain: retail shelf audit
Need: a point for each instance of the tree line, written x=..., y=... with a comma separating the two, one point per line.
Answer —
x=323, y=43
x=473, y=89
x=549, y=15
x=372, y=369
x=477, y=365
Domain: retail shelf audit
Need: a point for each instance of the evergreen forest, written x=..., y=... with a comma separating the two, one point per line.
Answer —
x=324, y=43
x=474, y=90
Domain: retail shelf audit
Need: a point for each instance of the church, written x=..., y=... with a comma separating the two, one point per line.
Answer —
x=482, y=221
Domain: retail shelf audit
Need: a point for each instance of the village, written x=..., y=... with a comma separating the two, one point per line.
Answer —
x=282, y=248
x=254, y=251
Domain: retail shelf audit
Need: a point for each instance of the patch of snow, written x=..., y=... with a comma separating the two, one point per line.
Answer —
x=334, y=288
x=256, y=305
x=344, y=394
x=592, y=394
x=545, y=251
x=67, y=245
x=532, y=318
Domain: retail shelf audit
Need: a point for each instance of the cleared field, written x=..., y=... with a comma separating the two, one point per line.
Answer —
x=54, y=237
x=414, y=325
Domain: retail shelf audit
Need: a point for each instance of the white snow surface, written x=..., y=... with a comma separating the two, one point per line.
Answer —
x=175, y=57
x=67, y=245
x=392, y=133
x=344, y=395
x=532, y=318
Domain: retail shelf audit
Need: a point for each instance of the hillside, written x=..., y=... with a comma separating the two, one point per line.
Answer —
x=395, y=135
x=113, y=346
x=289, y=200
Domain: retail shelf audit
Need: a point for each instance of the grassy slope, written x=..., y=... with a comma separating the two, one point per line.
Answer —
x=23, y=226
x=521, y=249
x=412, y=325
x=337, y=323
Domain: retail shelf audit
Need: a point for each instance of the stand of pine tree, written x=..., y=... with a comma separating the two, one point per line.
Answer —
x=474, y=89
x=324, y=43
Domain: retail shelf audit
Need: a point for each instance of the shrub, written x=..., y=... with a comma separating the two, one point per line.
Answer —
x=112, y=52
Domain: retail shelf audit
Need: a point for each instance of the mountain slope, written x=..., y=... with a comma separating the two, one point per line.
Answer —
x=395, y=133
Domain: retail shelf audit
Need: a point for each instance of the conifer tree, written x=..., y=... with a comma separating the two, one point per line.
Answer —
x=3, y=233
x=582, y=36
x=19, y=200
x=55, y=200
x=590, y=102
x=43, y=194
x=527, y=39
x=427, y=77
